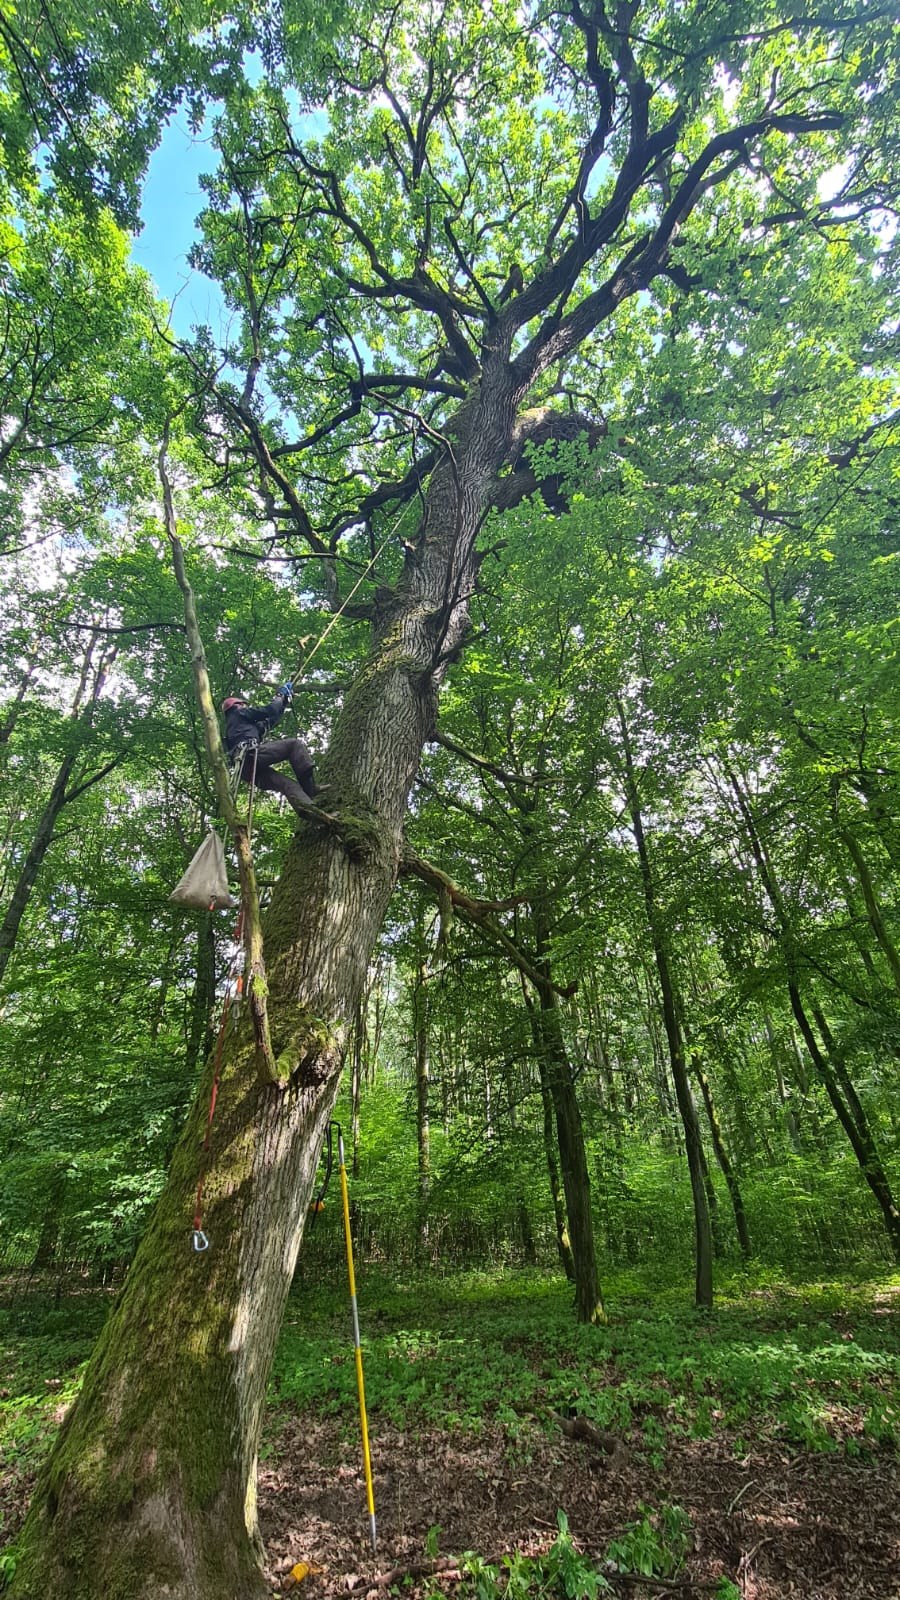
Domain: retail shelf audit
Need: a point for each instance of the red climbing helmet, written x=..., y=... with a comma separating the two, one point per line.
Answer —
x=232, y=701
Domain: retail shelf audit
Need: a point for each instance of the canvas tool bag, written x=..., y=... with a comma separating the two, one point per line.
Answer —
x=204, y=886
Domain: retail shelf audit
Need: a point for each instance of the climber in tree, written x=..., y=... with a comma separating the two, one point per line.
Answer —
x=247, y=726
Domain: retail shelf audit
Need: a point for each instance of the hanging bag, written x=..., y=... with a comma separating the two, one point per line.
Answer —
x=204, y=886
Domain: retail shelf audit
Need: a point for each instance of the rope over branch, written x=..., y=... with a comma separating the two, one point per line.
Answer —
x=256, y=986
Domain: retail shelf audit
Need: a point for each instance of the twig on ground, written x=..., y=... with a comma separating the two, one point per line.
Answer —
x=682, y=1585
x=739, y=1496
x=445, y=1566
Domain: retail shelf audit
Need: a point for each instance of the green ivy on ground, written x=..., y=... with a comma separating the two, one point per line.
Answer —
x=815, y=1365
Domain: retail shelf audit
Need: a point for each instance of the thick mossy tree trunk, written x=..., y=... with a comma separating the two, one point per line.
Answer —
x=151, y=1488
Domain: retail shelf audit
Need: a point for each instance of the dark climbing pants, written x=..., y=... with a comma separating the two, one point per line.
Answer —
x=293, y=751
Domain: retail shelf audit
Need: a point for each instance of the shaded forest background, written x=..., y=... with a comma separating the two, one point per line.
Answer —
x=658, y=826
x=696, y=640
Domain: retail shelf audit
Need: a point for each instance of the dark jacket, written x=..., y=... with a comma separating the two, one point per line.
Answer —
x=250, y=724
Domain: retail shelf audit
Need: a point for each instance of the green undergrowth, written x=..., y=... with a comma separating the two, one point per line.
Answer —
x=43, y=1348
x=816, y=1365
x=654, y=1547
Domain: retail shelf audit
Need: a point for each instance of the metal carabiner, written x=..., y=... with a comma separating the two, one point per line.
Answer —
x=200, y=1240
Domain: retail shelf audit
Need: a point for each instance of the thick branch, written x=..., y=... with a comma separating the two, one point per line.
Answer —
x=479, y=914
x=480, y=762
x=560, y=335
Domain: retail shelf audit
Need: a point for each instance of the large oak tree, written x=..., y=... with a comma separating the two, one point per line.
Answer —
x=412, y=271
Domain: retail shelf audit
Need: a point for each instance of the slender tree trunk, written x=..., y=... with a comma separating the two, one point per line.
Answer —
x=523, y=1214
x=526, y=1233
x=873, y=906
x=423, y=1079
x=61, y=794
x=573, y=1161
x=703, y=1276
x=672, y=1129
x=560, y=1083
x=359, y=1028
x=830, y=1069
x=51, y=1216
x=563, y=1243
x=881, y=809
x=790, y=1120
x=854, y=1123
x=712, y=1200
x=34, y=860
x=724, y=1160
x=200, y=1036
x=14, y=707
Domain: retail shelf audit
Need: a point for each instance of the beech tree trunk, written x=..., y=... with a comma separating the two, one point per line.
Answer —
x=873, y=906
x=151, y=1488
x=725, y=1163
x=829, y=1064
x=693, y=1143
x=423, y=1084
x=569, y=1132
x=851, y=1115
x=563, y=1242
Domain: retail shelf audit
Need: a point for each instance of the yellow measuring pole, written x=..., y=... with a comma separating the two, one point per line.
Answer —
x=357, y=1352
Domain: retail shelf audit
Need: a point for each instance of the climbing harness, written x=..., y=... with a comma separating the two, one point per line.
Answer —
x=236, y=764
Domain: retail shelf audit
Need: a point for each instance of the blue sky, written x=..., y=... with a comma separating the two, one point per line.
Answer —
x=172, y=200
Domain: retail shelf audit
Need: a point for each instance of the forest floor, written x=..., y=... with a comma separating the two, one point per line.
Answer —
x=750, y=1454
